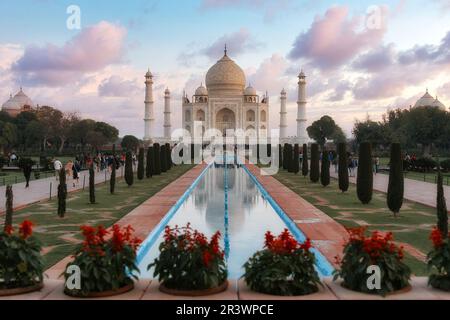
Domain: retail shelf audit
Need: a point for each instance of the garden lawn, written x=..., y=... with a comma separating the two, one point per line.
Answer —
x=411, y=228
x=59, y=236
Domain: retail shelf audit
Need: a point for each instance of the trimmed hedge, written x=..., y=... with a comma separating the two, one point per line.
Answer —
x=296, y=159
x=396, y=180
x=343, y=167
x=141, y=168
x=325, y=169
x=305, y=169
x=364, y=180
x=315, y=163
x=129, y=177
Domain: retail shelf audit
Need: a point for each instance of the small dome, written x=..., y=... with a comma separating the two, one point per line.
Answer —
x=225, y=77
x=426, y=101
x=10, y=104
x=250, y=91
x=283, y=92
x=148, y=74
x=201, y=91
x=167, y=91
x=302, y=74
x=21, y=99
x=438, y=104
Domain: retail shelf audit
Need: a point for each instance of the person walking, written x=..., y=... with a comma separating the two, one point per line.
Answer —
x=57, y=165
x=75, y=172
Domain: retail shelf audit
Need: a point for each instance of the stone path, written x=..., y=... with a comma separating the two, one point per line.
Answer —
x=417, y=191
x=43, y=189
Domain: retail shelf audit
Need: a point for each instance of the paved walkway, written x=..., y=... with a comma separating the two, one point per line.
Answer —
x=417, y=191
x=44, y=189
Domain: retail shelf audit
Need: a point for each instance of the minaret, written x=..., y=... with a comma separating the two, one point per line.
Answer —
x=149, y=118
x=302, y=136
x=283, y=116
x=167, y=124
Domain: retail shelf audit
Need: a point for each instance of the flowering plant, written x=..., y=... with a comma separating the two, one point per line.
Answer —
x=107, y=259
x=284, y=267
x=20, y=258
x=361, y=252
x=439, y=260
x=188, y=261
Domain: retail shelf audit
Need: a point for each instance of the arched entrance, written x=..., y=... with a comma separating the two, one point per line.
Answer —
x=225, y=120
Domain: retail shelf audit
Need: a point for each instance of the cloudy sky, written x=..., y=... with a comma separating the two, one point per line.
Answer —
x=361, y=57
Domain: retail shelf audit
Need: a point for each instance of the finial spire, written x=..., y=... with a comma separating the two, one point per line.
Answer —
x=226, y=50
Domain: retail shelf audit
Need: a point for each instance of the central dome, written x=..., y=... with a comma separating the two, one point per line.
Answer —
x=225, y=77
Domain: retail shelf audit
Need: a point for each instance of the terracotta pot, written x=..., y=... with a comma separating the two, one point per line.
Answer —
x=103, y=294
x=17, y=291
x=401, y=291
x=194, y=293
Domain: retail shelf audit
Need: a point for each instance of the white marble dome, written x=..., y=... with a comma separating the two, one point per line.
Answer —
x=250, y=91
x=426, y=101
x=225, y=77
x=22, y=99
x=10, y=105
x=201, y=91
x=438, y=104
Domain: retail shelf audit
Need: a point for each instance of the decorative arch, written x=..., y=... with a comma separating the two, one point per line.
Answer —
x=225, y=120
x=263, y=116
x=187, y=115
x=200, y=115
x=250, y=115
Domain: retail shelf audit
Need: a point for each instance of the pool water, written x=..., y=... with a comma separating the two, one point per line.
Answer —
x=225, y=199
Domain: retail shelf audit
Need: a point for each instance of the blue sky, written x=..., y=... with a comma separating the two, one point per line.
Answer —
x=179, y=40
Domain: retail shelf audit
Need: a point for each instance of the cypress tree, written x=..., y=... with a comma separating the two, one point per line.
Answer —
x=291, y=164
x=112, y=180
x=129, y=177
x=315, y=163
x=396, y=180
x=305, y=169
x=269, y=150
x=441, y=207
x=285, y=157
x=343, y=167
x=9, y=207
x=92, y=184
x=157, y=157
x=141, y=168
x=280, y=156
x=364, y=180
x=296, y=158
x=62, y=193
x=169, y=156
x=325, y=169
x=163, y=157
x=148, y=167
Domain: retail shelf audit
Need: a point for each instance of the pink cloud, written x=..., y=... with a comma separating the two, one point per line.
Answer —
x=91, y=50
x=116, y=86
x=335, y=39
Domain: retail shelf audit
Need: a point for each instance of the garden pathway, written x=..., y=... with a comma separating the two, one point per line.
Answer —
x=417, y=191
x=44, y=189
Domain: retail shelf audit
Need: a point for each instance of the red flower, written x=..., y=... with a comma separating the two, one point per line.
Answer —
x=436, y=237
x=206, y=258
x=26, y=229
x=9, y=230
x=307, y=245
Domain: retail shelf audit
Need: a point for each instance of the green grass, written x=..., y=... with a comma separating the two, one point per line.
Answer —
x=56, y=233
x=413, y=226
x=426, y=177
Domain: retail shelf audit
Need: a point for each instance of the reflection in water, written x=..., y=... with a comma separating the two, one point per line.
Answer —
x=250, y=216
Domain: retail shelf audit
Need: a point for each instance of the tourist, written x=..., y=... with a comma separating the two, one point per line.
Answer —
x=75, y=170
x=57, y=165
x=350, y=165
x=69, y=168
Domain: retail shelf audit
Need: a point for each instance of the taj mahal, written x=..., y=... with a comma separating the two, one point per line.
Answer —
x=226, y=103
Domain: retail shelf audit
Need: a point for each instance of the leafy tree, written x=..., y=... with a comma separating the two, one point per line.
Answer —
x=324, y=129
x=33, y=134
x=9, y=206
x=305, y=169
x=112, y=180
x=296, y=159
x=364, y=180
x=8, y=135
x=325, y=169
x=92, y=184
x=51, y=120
x=130, y=143
x=157, y=157
x=141, y=168
x=129, y=176
x=315, y=163
x=396, y=180
x=441, y=207
x=149, y=164
x=343, y=167
x=108, y=131
x=62, y=193
x=371, y=131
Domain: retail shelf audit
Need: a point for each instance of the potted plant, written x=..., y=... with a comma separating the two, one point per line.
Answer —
x=362, y=252
x=284, y=267
x=439, y=261
x=107, y=262
x=21, y=266
x=190, y=264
